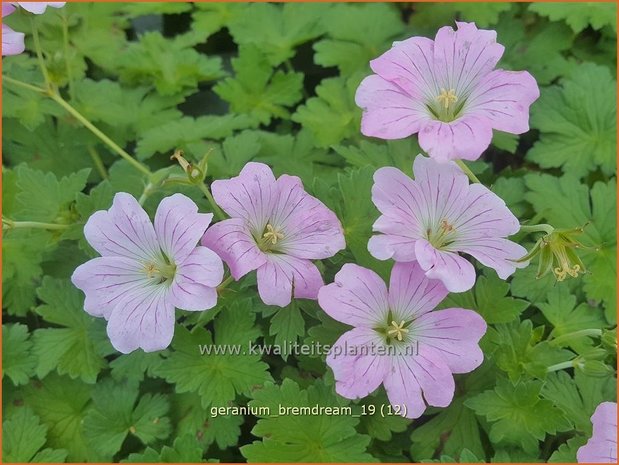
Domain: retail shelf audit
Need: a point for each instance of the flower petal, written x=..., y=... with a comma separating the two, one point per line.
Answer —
x=456, y=273
x=124, y=230
x=232, y=241
x=454, y=332
x=424, y=371
x=179, y=226
x=106, y=280
x=410, y=65
x=142, y=320
x=498, y=253
x=465, y=138
x=12, y=42
x=358, y=297
x=386, y=246
x=602, y=446
x=310, y=229
x=504, y=98
x=390, y=113
x=411, y=293
x=196, y=279
x=281, y=273
x=356, y=365
x=464, y=56
x=39, y=7
x=250, y=195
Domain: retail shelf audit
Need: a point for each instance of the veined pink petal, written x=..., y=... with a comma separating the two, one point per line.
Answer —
x=504, y=98
x=232, y=241
x=357, y=366
x=426, y=372
x=142, y=319
x=124, y=230
x=465, y=138
x=411, y=293
x=310, y=229
x=196, y=279
x=39, y=7
x=495, y=252
x=602, y=446
x=12, y=42
x=410, y=65
x=358, y=297
x=456, y=273
x=250, y=195
x=386, y=246
x=281, y=274
x=390, y=113
x=464, y=56
x=179, y=226
x=105, y=280
x=455, y=333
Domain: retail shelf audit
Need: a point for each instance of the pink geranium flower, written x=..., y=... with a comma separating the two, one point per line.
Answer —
x=602, y=447
x=448, y=91
x=39, y=7
x=145, y=271
x=434, y=217
x=397, y=339
x=12, y=42
x=276, y=228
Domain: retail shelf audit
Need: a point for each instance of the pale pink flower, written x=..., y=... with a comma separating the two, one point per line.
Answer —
x=434, y=217
x=602, y=446
x=12, y=42
x=397, y=339
x=448, y=91
x=39, y=7
x=145, y=272
x=275, y=228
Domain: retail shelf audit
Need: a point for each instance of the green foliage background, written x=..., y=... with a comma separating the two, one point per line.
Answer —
x=275, y=83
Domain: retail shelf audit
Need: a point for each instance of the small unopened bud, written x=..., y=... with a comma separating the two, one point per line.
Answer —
x=595, y=368
x=194, y=173
x=609, y=339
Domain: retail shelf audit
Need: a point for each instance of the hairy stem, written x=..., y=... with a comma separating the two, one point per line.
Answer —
x=529, y=228
x=468, y=171
x=96, y=159
x=10, y=224
x=216, y=210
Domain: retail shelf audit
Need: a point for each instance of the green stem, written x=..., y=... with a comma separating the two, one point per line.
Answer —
x=562, y=366
x=39, y=51
x=148, y=190
x=65, y=44
x=529, y=228
x=467, y=171
x=25, y=85
x=96, y=159
x=207, y=193
x=10, y=224
x=575, y=334
x=97, y=132
x=225, y=283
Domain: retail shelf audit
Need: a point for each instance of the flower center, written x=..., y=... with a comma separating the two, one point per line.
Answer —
x=441, y=236
x=447, y=97
x=160, y=271
x=447, y=105
x=397, y=331
x=269, y=239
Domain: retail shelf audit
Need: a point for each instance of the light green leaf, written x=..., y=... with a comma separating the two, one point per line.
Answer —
x=18, y=360
x=258, y=91
x=580, y=15
x=118, y=411
x=304, y=438
x=577, y=121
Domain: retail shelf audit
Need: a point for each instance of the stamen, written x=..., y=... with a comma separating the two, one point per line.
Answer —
x=151, y=270
x=447, y=97
x=398, y=330
x=272, y=234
